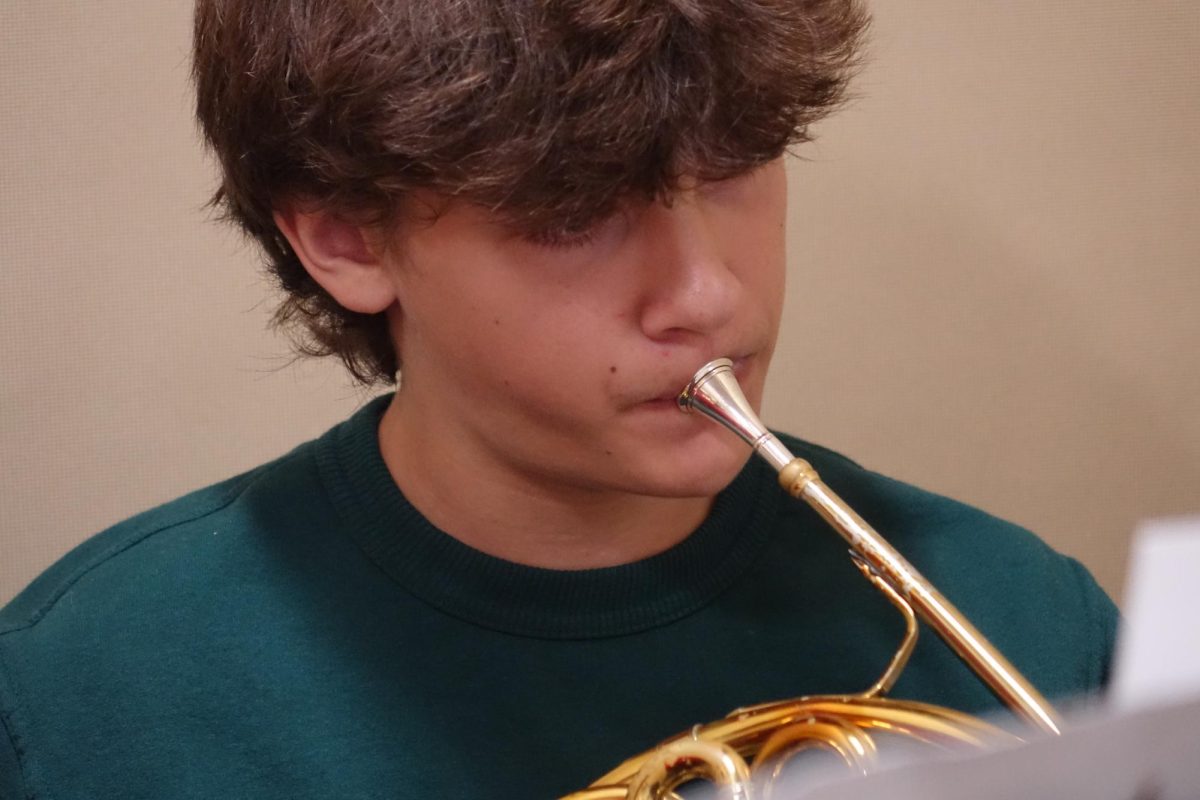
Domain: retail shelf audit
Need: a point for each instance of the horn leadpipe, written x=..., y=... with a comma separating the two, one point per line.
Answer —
x=714, y=392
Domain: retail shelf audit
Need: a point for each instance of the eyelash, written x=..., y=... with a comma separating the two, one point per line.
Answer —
x=563, y=240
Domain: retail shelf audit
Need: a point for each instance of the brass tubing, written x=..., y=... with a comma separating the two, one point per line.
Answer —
x=931, y=606
x=714, y=392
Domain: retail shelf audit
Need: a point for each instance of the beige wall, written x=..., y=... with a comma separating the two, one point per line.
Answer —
x=994, y=281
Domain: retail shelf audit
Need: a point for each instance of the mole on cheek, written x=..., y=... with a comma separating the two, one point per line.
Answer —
x=612, y=369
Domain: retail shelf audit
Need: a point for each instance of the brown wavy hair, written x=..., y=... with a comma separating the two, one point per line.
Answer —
x=546, y=111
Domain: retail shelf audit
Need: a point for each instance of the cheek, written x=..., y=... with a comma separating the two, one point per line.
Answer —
x=754, y=230
x=541, y=353
x=761, y=264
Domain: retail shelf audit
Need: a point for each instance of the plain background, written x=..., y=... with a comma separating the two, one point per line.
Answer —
x=995, y=274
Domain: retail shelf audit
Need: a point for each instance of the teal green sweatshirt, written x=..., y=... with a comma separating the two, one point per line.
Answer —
x=301, y=631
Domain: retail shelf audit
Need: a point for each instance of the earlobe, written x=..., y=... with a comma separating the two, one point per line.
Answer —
x=339, y=256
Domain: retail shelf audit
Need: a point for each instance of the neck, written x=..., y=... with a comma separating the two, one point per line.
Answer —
x=505, y=512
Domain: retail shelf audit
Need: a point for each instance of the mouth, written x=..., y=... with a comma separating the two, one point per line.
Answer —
x=669, y=397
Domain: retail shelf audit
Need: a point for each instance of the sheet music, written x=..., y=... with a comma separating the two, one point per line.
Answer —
x=1158, y=649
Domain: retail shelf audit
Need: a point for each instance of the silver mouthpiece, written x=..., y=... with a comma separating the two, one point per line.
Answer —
x=715, y=393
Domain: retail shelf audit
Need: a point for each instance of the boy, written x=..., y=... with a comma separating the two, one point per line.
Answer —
x=539, y=219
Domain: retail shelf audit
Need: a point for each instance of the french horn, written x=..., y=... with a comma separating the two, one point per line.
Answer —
x=746, y=751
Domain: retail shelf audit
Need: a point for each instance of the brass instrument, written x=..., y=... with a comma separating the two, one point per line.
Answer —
x=759, y=739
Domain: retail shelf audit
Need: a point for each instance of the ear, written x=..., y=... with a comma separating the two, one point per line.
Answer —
x=340, y=256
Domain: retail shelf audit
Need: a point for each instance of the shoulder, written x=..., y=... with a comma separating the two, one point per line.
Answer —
x=96, y=637
x=150, y=546
x=1043, y=609
x=939, y=530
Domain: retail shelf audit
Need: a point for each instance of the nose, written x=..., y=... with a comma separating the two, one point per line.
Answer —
x=691, y=289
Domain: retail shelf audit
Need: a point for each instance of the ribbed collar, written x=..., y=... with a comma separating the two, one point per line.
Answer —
x=530, y=601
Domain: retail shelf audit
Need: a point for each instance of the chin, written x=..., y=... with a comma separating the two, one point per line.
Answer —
x=697, y=471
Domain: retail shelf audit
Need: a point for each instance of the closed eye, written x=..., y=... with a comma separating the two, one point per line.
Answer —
x=601, y=233
x=563, y=239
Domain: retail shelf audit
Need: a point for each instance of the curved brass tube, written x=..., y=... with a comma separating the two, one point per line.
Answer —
x=770, y=733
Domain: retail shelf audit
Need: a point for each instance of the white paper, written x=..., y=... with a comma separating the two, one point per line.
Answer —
x=1158, y=647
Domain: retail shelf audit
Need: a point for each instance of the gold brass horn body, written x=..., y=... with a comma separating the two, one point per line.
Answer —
x=759, y=739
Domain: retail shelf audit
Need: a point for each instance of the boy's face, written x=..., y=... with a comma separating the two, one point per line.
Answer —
x=558, y=361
